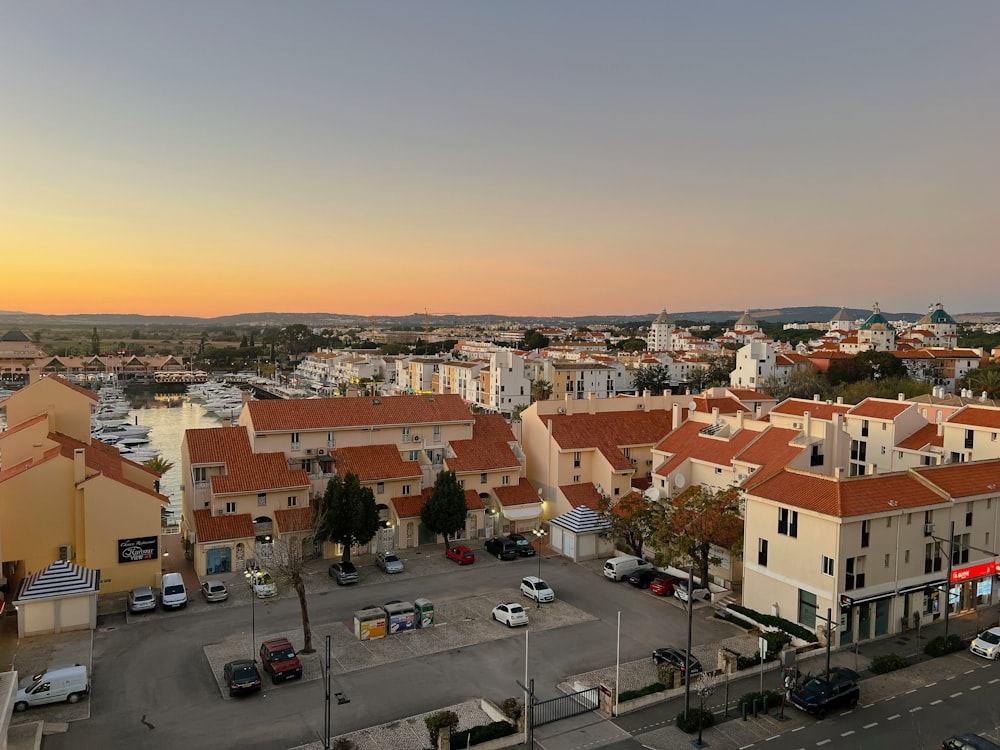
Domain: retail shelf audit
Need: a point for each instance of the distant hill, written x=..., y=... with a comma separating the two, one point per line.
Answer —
x=13, y=319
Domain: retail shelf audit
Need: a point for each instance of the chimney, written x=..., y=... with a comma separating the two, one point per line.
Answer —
x=901, y=396
x=816, y=397
x=807, y=422
x=940, y=429
x=840, y=400
x=675, y=416
x=837, y=472
x=870, y=470
x=79, y=465
x=739, y=419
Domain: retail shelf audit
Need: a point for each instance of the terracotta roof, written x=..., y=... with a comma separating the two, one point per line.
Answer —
x=919, y=440
x=609, y=432
x=374, y=463
x=359, y=411
x=876, y=408
x=578, y=495
x=521, y=493
x=687, y=442
x=211, y=445
x=294, y=519
x=748, y=394
x=769, y=451
x=819, y=409
x=489, y=447
x=104, y=459
x=211, y=528
x=724, y=404
x=246, y=471
x=965, y=479
x=977, y=416
x=852, y=496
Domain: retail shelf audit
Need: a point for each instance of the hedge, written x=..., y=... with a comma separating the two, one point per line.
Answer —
x=940, y=646
x=770, y=697
x=888, y=663
x=792, y=628
x=482, y=733
x=695, y=717
x=628, y=695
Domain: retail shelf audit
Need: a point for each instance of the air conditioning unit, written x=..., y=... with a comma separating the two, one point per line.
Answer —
x=635, y=460
x=309, y=451
x=416, y=438
x=928, y=529
x=65, y=552
x=562, y=409
x=322, y=451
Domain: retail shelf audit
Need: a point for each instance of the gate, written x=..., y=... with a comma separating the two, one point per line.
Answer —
x=565, y=706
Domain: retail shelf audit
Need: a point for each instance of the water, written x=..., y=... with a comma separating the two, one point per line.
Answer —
x=170, y=414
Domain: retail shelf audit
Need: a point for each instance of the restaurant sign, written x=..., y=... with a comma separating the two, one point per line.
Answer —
x=975, y=571
x=137, y=549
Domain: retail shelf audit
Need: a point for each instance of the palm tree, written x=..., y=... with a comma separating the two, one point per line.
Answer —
x=984, y=379
x=541, y=389
x=161, y=466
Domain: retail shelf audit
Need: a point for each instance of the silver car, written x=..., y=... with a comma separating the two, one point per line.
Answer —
x=141, y=599
x=389, y=562
x=214, y=591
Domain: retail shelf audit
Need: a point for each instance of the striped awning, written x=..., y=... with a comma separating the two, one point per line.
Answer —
x=582, y=520
x=60, y=579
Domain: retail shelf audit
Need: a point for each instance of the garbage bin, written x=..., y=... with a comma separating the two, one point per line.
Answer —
x=369, y=623
x=401, y=616
x=425, y=613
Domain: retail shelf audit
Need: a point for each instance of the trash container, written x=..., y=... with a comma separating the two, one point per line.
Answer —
x=425, y=613
x=401, y=615
x=369, y=623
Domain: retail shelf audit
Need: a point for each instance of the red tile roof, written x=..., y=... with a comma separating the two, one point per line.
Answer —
x=769, y=451
x=919, y=440
x=246, y=471
x=521, y=493
x=581, y=494
x=819, y=409
x=977, y=416
x=724, y=404
x=488, y=449
x=359, y=411
x=211, y=528
x=374, y=463
x=687, y=442
x=965, y=479
x=877, y=408
x=105, y=459
x=294, y=519
x=609, y=432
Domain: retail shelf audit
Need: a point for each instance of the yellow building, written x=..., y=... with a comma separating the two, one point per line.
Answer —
x=66, y=496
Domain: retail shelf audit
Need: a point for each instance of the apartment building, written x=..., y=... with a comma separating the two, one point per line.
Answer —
x=875, y=550
x=508, y=381
x=66, y=496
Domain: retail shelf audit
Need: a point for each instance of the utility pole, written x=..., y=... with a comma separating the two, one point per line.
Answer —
x=687, y=653
x=947, y=585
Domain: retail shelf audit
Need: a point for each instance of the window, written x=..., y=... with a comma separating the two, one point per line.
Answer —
x=295, y=441
x=906, y=556
x=888, y=522
x=437, y=433
x=932, y=558
x=406, y=489
x=968, y=514
x=859, y=450
x=807, y=608
x=461, y=483
x=576, y=460
x=413, y=456
x=380, y=488
x=855, y=569
x=864, y=428
x=866, y=531
x=331, y=439
x=969, y=438
x=200, y=476
x=506, y=479
x=292, y=501
x=482, y=478
x=928, y=522
x=827, y=566
x=618, y=491
x=406, y=434
x=960, y=549
x=576, y=479
x=762, y=552
x=261, y=499
x=885, y=563
x=230, y=507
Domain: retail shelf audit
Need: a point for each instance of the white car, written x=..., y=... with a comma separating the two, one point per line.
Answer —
x=510, y=614
x=535, y=588
x=987, y=644
x=263, y=585
x=141, y=599
x=389, y=562
x=214, y=591
x=699, y=592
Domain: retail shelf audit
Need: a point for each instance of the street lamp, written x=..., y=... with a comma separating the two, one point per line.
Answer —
x=539, y=535
x=252, y=575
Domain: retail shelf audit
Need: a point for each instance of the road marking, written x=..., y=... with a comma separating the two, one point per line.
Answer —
x=930, y=684
x=934, y=703
x=911, y=691
x=823, y=742
x=916, y=708
x=869, y=726
x=995, y=679
x=847, y=734
x=974, y=687
x=798, y=729
x=955, y=695
x=894, y=716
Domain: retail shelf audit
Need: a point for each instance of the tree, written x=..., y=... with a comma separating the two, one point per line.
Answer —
x=534, y=340
x=95, y=342
x=541, y=389
x=633, y=519
x=984, y=378
x=346, y=514
x=720, y=367
x=288, y=566
x=697, y=519
x=802, y=382
x=632, y=345
x=161, y=466
x=654, y=378
x=445, y=510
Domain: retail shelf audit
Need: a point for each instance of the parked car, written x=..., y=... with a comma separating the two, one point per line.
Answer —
x=173, y=594
x=460, y=554
x=263, y=585
x=241, y=676
x=698, y=593
x=643, y=577
x=389, y=562
x=279, y=659
x=344, y=573
x=535, y=588
x=968, y=741
x=621, y=567
x=214, y=591
x=524, y=548
x=987, y=644
x=141, y=599
x=53, y=685
x=678, y=657
x=662, y=585
x=511, y=614
x=819, y=695
x=504, y=549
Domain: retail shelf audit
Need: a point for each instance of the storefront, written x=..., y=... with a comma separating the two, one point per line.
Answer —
x=972, y=587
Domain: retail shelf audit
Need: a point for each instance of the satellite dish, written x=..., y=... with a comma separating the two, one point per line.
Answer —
x=652, y=494
x=692, y=406
x=679, y=480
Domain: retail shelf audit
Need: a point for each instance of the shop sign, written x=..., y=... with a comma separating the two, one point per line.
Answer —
x=137, y=549
x=974, y=571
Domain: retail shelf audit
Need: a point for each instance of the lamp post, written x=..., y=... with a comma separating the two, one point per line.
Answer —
x=251, y=576
x=539, y=535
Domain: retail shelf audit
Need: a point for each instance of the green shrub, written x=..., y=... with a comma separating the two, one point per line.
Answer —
x=656, y=687
x=437, y=720
x=482, y=733
x=695, y=717
x=940, y=646
x=888, y=663
x=792, y=628
x=512, y=708
x=746, y=662
x=767, y=699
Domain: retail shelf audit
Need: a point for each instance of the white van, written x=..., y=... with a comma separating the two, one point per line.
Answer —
x=53, y=685
x=172, y=591
x=620, y=568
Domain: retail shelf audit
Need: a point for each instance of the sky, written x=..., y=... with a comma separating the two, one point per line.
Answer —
x=557, y=158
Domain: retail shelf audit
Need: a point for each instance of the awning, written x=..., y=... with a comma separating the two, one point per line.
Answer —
x=522, y=512
x=925, y=585
x=872, y=598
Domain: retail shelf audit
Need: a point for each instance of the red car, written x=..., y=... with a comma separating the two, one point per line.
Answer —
x=460, y=554
x=662, y=585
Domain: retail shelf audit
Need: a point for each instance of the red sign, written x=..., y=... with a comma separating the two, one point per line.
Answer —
x=975, y=571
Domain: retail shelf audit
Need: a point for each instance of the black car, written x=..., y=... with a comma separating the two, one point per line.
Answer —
x=968, y=741
x=524, y=548
x=678, y=657
x=643, y=577
x=820, y=695
x=344, y=573
x=241, y=676
x=503, y=549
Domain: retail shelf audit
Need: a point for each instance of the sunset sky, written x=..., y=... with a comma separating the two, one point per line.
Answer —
x=564, y=157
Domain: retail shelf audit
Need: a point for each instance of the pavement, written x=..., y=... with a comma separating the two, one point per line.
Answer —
x=593, y=730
